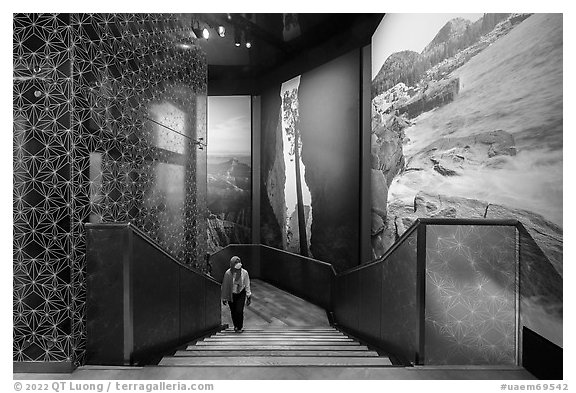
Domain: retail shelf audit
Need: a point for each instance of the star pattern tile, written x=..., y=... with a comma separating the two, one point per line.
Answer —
x=470, y=294
x=85, y=149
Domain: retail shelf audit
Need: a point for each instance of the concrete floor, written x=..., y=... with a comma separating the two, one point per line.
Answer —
x=267, y=373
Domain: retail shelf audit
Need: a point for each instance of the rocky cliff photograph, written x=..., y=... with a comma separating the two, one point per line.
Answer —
x=467, y=123
x=229, y=171
x=310, y=163
x=298, y=217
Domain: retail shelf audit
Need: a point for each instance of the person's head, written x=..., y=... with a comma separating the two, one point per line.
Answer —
x=235, y=263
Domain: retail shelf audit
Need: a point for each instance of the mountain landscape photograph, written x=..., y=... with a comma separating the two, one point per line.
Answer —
x=229, y=171
x=467, y=123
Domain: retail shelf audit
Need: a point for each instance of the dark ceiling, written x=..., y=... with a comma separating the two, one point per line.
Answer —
x=283, y=45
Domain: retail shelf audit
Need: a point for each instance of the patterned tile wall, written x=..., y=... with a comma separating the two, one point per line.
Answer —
x=470, y=295
x=103, y=132
x=42, y=189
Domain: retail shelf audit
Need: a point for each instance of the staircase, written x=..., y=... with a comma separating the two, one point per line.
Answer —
x=278, y=346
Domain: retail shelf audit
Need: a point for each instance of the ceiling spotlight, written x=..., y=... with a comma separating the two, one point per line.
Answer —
x=248, y=44
x=221, y=31
x=237, y=38
x=205, y=33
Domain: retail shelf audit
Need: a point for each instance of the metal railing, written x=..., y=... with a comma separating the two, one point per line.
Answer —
x=141, y=301
x=449, y=291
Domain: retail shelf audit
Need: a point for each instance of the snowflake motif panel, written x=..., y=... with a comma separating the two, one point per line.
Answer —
x=470, y=315
x=41, y=188
x=107, y=109
x=139, y=83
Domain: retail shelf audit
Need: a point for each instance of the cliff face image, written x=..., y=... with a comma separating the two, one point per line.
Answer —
x=229, y=203
x=273, y=176
x=477, y=135
x=292, y=233
x=328, y=100
x=469, y=132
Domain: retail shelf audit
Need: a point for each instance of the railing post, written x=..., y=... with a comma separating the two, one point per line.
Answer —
x=421, y=292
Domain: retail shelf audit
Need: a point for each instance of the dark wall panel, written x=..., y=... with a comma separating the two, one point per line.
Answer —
x=371, y=301
x=105, y=295
x=304, y=277
x=541, y=357
x=353, y=292
x=192, y=304
x=378, y=302
x=155, y=291
x=142, y=302
x=212, y=305
x=399, y=325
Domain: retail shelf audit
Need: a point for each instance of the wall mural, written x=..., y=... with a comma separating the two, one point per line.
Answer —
x=310, y=162
x=467, y=122
x=229, y=195
x=297, y=195
x=107, y=111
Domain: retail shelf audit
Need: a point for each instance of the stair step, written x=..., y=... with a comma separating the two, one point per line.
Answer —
x=302, y=361
x=285, y=329
x=240, y=337
x=269, y=352
x=291, y=334
x=234, y=347
x=277, y=342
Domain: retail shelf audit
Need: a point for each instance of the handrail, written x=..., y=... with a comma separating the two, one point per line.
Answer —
x=329, y=265
x=152, y=243
x=469, y=221
x=393, y=248
x=141, y=300
x=280, y=251
x=431, y=221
